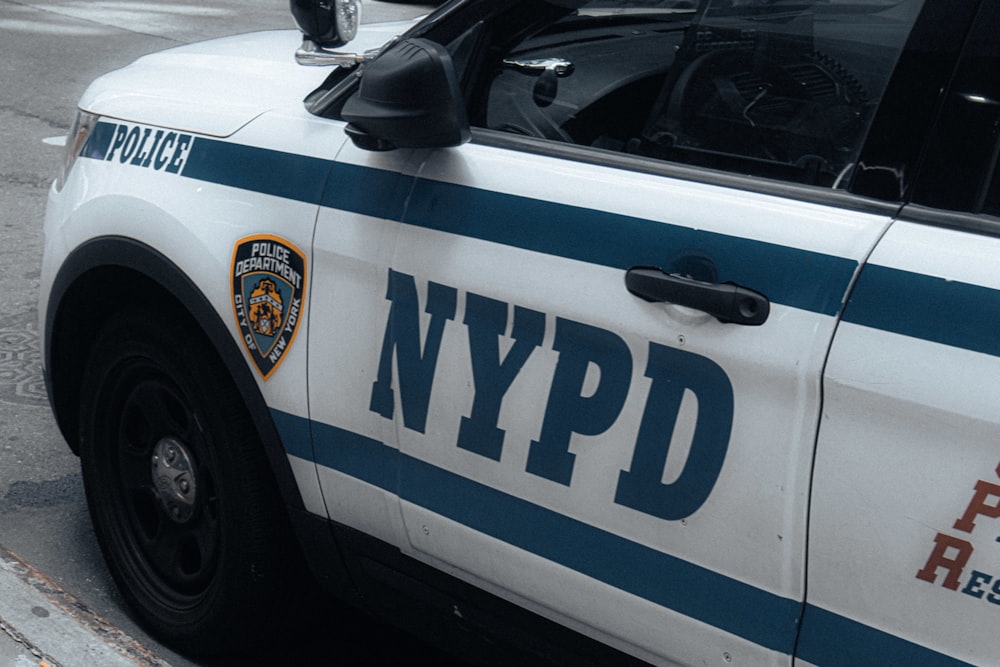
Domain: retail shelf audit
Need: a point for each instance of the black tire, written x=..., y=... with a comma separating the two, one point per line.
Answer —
x=205, y=559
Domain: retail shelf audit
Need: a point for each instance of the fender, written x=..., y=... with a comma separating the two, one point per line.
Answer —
x=147, y=268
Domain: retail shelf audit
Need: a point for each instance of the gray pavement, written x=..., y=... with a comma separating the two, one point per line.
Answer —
x=43, y=624
x=16, y=652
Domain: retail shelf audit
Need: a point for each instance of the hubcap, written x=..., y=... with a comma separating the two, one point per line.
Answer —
x=174, y=479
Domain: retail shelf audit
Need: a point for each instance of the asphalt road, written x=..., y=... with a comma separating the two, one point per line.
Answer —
x=50, y=50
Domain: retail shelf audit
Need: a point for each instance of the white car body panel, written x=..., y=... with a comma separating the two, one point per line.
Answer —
x=216, y=87
x=910, y=429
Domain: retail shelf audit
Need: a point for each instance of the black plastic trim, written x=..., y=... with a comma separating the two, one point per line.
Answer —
x=323, y=555
x=974, y=223
x=727, y=302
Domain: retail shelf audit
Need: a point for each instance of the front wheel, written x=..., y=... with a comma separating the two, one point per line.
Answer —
x=184, y=506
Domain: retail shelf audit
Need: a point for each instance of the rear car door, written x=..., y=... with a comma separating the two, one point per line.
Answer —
x=903, y=533
x=581, y=428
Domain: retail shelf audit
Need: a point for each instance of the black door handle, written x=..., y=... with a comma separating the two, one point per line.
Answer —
x=727, y=302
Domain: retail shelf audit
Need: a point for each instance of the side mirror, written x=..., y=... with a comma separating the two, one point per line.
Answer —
x=408, y=97
x=328, y=23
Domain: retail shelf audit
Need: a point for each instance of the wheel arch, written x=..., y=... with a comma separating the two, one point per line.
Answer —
x=109, y=274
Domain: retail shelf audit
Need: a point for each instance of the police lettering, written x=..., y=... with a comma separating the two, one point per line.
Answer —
x=279, y=348
x=270, y=258
x=293, y=315
x=486, y=320
x=570, y=406
x=241, y=317
x=158, y=149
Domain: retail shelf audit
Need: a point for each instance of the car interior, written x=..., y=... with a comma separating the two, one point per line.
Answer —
x=774, y=88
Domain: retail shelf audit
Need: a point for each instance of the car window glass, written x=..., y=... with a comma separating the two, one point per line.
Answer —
x=991, y=204
x=776, y=88
x=976, y=96
x=958, y=170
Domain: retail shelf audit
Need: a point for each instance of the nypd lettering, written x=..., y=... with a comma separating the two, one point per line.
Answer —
x=951, y=553
x=571, y=405
x=139, y=145
x=268, y=279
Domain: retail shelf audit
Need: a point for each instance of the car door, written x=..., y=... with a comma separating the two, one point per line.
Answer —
x=903, y=533
x=582, y=428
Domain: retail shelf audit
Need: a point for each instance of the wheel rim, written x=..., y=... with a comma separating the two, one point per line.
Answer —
x=166, y=506
x=174, y=479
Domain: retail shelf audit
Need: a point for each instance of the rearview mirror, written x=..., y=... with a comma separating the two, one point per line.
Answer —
x=327, y=22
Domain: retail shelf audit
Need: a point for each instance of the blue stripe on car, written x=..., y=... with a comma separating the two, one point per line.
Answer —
x=754, y=614
x=793, y=277
x=261, y=170
x=798, y=278
x=831, y=640
x=658, y=577
x=933, y=309
x=801, y=279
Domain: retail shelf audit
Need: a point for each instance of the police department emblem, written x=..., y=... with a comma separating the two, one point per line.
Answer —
x=269, y=278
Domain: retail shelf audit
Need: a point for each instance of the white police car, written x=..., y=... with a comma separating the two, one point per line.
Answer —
x=661, y=327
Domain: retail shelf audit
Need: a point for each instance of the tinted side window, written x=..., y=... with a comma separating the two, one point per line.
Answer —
x=991, y=203
x=777, y=89
x=960, y=172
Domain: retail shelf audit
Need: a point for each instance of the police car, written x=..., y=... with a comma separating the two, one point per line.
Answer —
x=665, y=330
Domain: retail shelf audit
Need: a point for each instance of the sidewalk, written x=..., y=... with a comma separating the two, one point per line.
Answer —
x=16, y=654
x=42, y=625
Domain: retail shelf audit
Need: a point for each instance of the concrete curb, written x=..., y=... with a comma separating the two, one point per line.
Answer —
x=42, y=624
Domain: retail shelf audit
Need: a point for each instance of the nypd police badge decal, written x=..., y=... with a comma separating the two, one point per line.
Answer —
x=269, y=278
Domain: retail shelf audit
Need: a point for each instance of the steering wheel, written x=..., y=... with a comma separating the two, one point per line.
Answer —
x=744, y=103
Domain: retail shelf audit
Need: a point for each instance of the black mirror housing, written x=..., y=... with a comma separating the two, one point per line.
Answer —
x=408, y=97
x=328, y=23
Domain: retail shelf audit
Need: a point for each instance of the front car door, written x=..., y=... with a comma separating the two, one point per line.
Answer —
x=568, y=439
